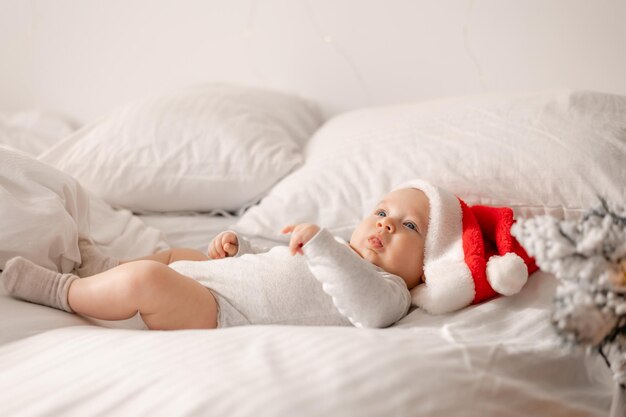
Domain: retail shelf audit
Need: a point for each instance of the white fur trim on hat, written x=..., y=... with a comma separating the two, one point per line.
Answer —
x=449, y=287
x=507, y=274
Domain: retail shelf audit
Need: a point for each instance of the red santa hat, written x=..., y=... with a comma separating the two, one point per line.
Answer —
x=470, y=255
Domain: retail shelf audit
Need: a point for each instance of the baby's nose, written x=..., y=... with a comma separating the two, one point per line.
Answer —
x=386, y=224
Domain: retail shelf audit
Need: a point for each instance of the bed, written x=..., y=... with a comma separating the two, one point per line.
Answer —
x=146, y=125
x=499, y=357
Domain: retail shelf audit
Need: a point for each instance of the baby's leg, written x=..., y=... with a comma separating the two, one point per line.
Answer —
x=28, y=281
x=172, y=255
x=93, y=261
x=165, y=299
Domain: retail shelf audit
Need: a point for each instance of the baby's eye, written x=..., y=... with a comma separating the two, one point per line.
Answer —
x=411, y=226
x=380, y=213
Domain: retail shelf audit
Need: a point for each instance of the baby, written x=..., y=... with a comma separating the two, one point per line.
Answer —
x=420, y=245
x=365, y=283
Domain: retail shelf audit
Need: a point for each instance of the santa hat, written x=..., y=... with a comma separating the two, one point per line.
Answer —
x=470, y=254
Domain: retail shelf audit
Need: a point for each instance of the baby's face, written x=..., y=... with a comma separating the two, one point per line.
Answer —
x=393, y=236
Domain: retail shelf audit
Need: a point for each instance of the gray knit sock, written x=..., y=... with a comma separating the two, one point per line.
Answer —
x=28, y=281
x=93, y=261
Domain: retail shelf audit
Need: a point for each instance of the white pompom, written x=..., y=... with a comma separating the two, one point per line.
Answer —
x=507, y=274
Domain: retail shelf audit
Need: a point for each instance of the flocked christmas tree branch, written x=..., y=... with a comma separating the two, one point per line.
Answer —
x=588, y=257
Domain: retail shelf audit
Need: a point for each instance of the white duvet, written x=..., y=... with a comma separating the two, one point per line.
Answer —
x=499, y=358
x=44, y=211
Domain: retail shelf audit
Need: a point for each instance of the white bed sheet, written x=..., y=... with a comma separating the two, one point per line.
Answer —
x=190, y=230
x=499, y=358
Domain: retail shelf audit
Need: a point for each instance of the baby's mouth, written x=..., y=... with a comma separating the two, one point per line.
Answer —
x=375, y=242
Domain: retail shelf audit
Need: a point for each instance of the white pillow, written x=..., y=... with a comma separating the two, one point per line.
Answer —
x=32, y=131
x=540, y=153
x=217, y=146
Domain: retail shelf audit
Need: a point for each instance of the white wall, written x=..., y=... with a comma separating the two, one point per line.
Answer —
x=84, y=57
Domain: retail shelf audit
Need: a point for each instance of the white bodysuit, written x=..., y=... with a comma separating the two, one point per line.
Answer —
x=330, y=285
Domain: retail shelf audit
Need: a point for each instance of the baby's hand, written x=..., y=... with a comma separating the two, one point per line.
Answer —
x=301, y=234
x=223, y=245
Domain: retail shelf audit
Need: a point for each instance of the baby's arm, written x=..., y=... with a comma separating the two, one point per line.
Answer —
x=365, y=294
x=231, y=244
x=300, y=235
x=223, y=245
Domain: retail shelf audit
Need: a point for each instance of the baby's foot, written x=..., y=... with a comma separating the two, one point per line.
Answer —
x=28, y=281
x=93, y=261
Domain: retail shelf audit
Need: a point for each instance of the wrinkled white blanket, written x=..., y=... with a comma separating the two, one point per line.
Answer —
x=44, y=211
